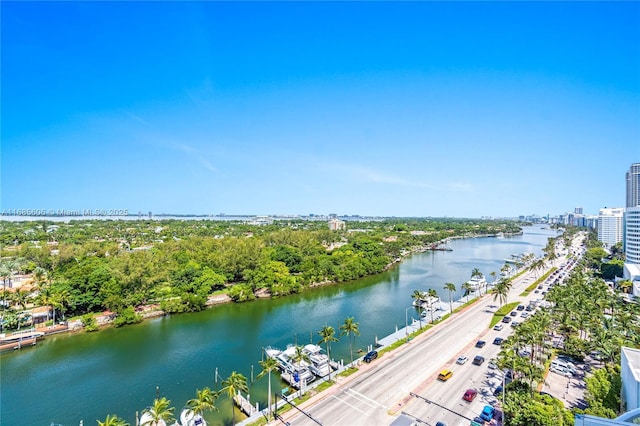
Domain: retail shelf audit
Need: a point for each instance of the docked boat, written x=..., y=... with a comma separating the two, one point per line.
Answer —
x=320, y=363
x=427, y=303
x=189, y=418
x=296, y=373
x=476, y=283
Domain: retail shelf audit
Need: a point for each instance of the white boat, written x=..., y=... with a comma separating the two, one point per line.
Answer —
x=295, y=373
x=476, y=283
x=426, y=302
x=147, y=420
x=189, y=418
x=320, y=365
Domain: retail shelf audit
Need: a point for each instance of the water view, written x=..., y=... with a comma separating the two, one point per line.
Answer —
x=69, y=378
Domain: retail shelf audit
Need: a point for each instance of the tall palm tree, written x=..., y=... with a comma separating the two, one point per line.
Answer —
x=204, y=401
x=450, y=287
x=235, y=383
x=430, y=294
x=475, y=273
x=493, y=276
x=418, y=297
x=159, y=413
x=112, y=420
x=328, y=335
x=350, y=328
x=268, y=365
x=467, y=288
x=501, y=291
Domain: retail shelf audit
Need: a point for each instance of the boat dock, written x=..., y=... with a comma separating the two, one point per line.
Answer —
x=17, y=344
x=19, y=339
x=245, y=405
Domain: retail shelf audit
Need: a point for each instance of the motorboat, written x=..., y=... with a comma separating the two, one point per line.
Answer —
x=189, y=418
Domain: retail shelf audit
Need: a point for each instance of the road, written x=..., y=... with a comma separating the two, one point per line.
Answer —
x=379, y=392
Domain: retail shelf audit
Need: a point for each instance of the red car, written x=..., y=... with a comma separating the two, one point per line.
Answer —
x=470, y=395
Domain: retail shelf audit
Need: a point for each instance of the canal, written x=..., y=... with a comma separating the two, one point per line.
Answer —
x=69, y=378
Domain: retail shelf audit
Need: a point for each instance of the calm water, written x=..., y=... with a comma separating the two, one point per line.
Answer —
x=66, y=379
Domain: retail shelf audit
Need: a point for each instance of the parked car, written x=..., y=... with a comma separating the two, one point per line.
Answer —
x=498, y=327
x=480, y=343
x=498, y=390
x=478, y=360
x=470, y=395
x=461, y=360
x=492, y=365
x=513, y=313
x=520, y=307
x=487, y=413
x=370, y=356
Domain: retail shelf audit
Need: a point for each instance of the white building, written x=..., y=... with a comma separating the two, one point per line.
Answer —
x=633, y=185
x=336, y=224
x=610, y=226
x=631, y=269
x=630, y=374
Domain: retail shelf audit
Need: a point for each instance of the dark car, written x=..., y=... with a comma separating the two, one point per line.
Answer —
x=480, y=343
x=520, y=307
x=530, y=308
x=506, y=319
x=470, y=395
x=498, y=391
x=478, y=360
x=498, y=341
x=371, y=356
x=513, y=313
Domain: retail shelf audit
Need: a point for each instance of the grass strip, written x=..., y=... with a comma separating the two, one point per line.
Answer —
x=502, y=312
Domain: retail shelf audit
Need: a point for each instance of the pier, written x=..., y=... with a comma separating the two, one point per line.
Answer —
x=245, y=405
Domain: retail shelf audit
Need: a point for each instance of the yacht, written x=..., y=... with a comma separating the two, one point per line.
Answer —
x=476, y=283
x=320, y=363
x=189, y=418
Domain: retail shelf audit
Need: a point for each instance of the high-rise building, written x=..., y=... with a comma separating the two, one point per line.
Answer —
x=632, y=235
x=578, y=210
x=633, y=185
x=610, y=226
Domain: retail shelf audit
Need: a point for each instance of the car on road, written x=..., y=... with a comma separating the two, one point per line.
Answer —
x=515, y=324
x=371, y=356
x=525, y=315
x=461, y=360
x=498, y=341
x=445, y=375
x=520, y=307
x=506, y=320
x=478, y=360
x=487, y=413
x=529, y=308
x=470, y=395
x=498, y=327
x=513, y=313
x=480, y=343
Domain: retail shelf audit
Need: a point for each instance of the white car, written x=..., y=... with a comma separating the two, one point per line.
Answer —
x=492, y=365
x=498, y=327
x=461, y=360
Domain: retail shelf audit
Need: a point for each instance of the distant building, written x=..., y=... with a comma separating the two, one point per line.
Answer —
x=610, y=226
x=633, y=185
x=336, y=224
x=578, y=210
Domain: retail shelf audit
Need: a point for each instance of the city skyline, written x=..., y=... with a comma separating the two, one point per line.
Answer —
x=372, y=109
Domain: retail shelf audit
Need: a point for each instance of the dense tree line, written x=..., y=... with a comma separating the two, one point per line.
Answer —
x=90, y=266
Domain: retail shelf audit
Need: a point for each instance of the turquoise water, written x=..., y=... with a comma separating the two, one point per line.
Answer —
x=68, y=378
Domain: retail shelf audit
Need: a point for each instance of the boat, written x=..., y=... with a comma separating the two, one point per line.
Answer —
x=320, y=363
x=147, y=419
x=429, y=303
x=295, y=373
x=189, y=418
x=476, y=283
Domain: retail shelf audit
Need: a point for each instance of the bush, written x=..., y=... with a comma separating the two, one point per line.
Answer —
x=127, y=316
x=89, y=322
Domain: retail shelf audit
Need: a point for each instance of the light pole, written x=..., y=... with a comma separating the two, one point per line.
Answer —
x=406, y=321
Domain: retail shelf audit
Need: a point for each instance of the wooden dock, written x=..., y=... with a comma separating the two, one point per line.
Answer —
x=17, y=344
x=244, y=405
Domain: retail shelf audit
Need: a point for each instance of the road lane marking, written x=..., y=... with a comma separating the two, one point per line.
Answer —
x=350, y=405
x=359, y=396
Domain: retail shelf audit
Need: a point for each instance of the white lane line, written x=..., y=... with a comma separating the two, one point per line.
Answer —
x=350, y=405
x=360, y=396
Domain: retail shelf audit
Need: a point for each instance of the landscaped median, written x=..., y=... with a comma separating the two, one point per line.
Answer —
x=537, y=282
x=502, y=312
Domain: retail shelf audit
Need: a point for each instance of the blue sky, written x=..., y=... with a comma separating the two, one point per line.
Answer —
x=404, y=109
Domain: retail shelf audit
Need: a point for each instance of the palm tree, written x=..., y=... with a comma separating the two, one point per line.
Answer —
x=234, y=384
x=467, y=288
x=431, y=293
x=204, y=401
x=418, y=297
x=299, y=356
x=112, y=420
x=501, y=291
x=160, y=413
x=350, y=328
x=328, y=335
x=450, y=287
x=268, y=365
x=475, y=273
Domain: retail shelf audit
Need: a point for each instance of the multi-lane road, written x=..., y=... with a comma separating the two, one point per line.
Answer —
x=382, y=391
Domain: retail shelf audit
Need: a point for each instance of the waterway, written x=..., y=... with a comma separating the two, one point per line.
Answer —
x=69, y=378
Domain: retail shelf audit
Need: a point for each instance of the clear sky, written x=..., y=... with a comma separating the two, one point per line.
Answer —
x=404, y=109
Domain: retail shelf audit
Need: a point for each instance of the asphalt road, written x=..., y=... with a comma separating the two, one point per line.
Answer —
x=379, y=392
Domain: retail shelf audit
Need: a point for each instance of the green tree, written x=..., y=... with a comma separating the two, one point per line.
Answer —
x=327, y=334
x=350, y=328
x=160, y=411
x=204, y=401
x=450, y=287
x=268, y=365
x=234, y=384
x=112, y=420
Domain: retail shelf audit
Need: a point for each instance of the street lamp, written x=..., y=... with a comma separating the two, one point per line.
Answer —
x=406, y=321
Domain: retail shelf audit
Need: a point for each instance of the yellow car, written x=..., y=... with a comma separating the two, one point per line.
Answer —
x=445, y=375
